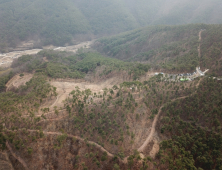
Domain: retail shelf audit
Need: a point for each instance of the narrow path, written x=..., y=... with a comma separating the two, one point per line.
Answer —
x=141, y=149
x=153, y=128
x=52, y=119
x=82, y=140
x=45, y=114
x=56, y=133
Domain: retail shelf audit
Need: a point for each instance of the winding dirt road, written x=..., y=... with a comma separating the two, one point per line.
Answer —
x=153, y=128
x=124, y=161
x=64, y=92
x=82, y=140
x=57, y=133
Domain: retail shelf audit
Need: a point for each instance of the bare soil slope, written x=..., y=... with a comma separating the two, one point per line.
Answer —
x=17, y=81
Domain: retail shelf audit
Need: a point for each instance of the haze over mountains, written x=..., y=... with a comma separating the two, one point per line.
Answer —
x=57, y=22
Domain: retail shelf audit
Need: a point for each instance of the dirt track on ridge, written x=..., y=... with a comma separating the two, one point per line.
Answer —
x=198, y=49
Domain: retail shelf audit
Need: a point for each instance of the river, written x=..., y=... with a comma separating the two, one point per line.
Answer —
x=7, y=58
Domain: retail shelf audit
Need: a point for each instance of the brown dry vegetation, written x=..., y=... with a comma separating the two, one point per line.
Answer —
x=129, y=107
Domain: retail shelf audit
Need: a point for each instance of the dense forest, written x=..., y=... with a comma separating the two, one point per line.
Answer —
x=171, y=48
x=68, y=65
x=211, y=49
x=57, y=23
x=194, y=124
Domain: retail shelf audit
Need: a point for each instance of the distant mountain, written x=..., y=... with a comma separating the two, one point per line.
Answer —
x=57, y=22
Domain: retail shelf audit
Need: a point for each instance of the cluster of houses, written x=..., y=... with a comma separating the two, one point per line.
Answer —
x=186, y=76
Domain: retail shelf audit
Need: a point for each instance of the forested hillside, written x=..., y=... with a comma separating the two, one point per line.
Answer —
x=173, y=48
x=56, y=22
x=93, y=129
x=68, y=65
x=194, y=126
x=96, y=112
x=211, y=49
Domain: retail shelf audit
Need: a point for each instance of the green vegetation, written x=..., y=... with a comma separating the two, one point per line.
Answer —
x=194, y=125
x=106, y=120
x=211, y=49
x=25, y=99
x=67, y=65
x=61, y=138
x=4, y=79
x=17, y=109
x=170, y=47
x=184, y=79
